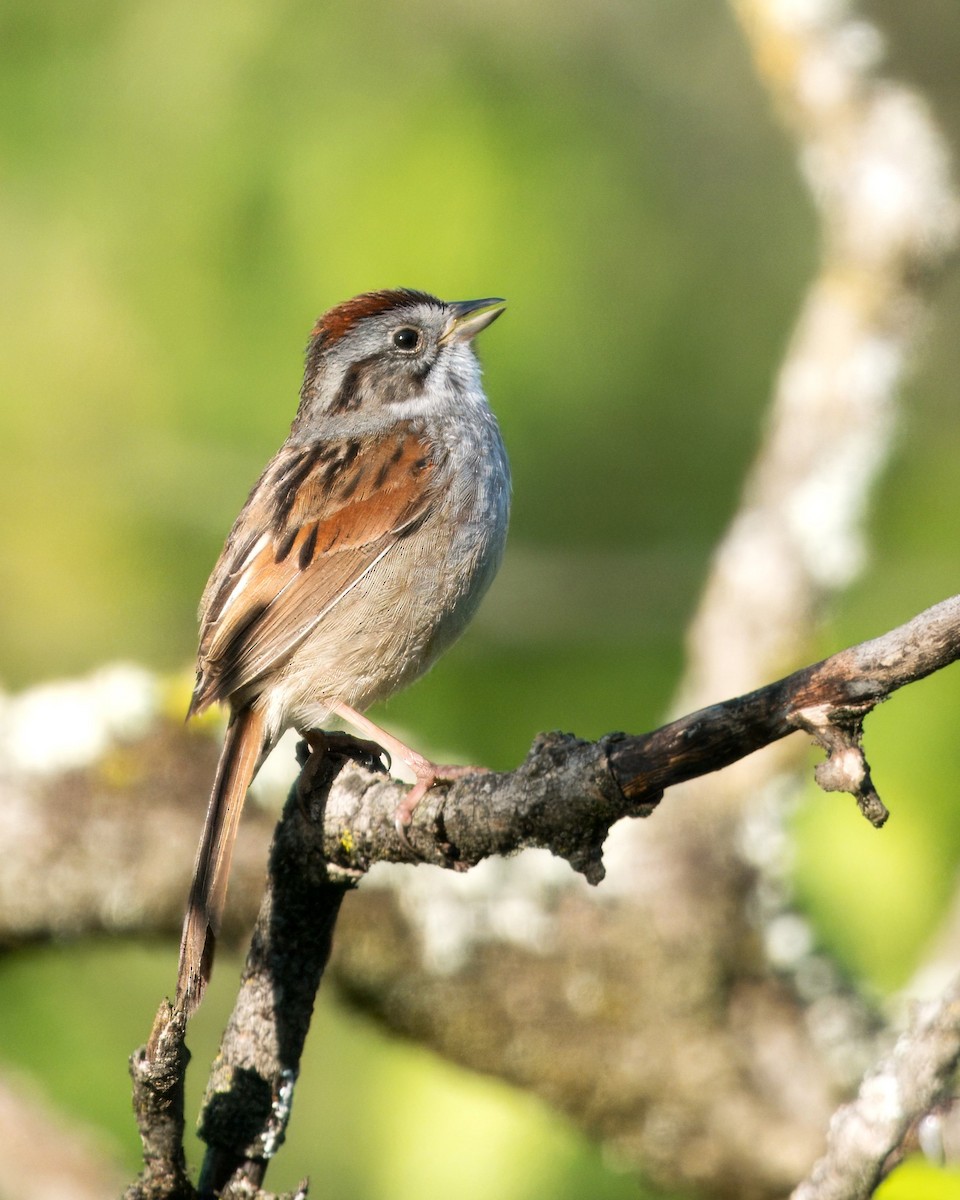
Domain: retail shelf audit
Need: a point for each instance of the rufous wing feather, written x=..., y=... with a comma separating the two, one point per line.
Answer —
x=321, y=518
x=239, y=759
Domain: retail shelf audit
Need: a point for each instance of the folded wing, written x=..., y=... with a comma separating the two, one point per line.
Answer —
x=329, y=513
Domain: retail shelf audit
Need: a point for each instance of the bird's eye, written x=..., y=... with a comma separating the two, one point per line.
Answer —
x=407, y=338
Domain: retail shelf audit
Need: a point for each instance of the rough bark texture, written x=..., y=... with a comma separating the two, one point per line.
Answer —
x=568, y=792
x=725, y=1045
x=251, y=1087
x=698, y=1042
x=158, y=1070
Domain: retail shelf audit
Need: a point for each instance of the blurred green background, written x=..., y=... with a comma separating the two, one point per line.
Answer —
x=183, y=188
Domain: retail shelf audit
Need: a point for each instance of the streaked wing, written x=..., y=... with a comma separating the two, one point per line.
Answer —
x=320, y=518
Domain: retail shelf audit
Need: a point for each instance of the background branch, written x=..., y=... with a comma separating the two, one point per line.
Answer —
x=708, y=1038
x=555, y=800
x=691, y=903
x=913, y=1079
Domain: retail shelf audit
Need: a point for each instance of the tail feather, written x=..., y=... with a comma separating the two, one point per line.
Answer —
x=239, y=759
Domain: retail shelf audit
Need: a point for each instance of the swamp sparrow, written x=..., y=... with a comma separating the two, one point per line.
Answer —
x=360, y=555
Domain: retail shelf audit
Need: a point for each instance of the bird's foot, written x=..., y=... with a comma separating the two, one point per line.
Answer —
x=428, y=774
x=322, y=742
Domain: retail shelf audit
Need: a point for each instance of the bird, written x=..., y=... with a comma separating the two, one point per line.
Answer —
x=360, y=555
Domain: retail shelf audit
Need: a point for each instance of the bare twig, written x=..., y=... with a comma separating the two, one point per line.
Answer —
x=568, y=792
x=158, y=1070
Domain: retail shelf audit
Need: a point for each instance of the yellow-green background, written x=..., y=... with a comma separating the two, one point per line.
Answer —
x=184, y=187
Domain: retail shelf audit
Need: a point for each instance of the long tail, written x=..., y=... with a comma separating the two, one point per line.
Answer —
x=239, y=759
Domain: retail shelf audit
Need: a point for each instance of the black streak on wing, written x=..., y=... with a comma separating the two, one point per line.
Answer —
x=288, y=481
x=220, y=599
x=351, y=483
x=308, y=547
x=285, y=545
x=217, y=680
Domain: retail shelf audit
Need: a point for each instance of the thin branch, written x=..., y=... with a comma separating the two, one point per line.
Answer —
x=250, y=1091
x=568, y=793
x=158, y=1071
x=337, y=822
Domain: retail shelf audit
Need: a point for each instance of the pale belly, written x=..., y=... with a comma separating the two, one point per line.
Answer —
x=392, y=625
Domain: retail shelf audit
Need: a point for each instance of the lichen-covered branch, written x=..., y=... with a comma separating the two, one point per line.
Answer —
x=878, y=175
x=911, y=1080
x=563, y=797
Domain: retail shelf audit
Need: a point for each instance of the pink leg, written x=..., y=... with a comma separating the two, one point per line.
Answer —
x=427, y=773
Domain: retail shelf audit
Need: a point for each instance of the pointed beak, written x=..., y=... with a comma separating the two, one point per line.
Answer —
x=468, y=317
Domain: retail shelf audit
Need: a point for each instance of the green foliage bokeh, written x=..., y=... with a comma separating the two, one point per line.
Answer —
x=184, y=188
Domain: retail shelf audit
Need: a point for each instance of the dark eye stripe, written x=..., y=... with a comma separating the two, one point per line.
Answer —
x=348, y=395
